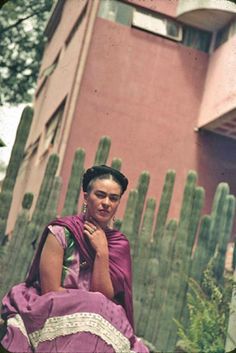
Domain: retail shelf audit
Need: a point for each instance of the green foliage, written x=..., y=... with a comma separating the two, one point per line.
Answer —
x=22, y=41
x=208, y=309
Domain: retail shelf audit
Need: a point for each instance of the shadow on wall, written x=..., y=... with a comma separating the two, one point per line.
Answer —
x=216, y=162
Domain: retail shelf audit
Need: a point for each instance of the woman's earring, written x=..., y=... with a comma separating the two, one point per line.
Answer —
x=114, y=219
x=84, y=208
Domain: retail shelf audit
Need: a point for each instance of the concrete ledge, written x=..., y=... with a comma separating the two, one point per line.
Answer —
x=206, y=14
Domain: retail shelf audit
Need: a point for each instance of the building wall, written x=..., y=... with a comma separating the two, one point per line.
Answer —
x=144, y=92
x=220, y=88
x=168, y=7
x=58, y=86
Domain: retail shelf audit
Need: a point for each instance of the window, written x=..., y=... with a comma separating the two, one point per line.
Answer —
x=77, y=24
x=53, y=126
x=46, y=73
x=116, y=11
x=157, y=24
x=197, y=38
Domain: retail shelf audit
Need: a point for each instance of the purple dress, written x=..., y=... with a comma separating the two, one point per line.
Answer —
x=75, y=320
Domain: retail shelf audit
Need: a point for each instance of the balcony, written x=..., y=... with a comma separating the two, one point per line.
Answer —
x=209, y=15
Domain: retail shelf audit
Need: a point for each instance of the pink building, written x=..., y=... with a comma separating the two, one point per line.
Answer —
x=157, y=77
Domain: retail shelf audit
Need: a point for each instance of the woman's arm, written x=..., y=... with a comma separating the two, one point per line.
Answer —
x=101, y=280
x=50, y=267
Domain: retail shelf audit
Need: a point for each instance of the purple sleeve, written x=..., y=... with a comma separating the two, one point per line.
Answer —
x=59, y=233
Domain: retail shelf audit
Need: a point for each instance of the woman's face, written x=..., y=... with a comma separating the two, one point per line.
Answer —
x=102, y=201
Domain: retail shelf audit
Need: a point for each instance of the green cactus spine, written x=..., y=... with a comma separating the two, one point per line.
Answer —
x=128, y=221
x=160, y=290
x=142, y=188
x=37, y=224
x=234, y=256
x=164, y=204
x=217, y=223
x=116, y=163
x=14, y=165
x=140, y=257
x=102, y=151
x=200, y=256
x=51, y=209
x=177, y=282
x=230, y=345
x=45, y=189
x=9, y=269
x=228, y=215
x=74, y=185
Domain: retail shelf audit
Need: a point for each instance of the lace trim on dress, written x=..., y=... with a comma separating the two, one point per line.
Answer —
x=80, y=322
x=17, y=321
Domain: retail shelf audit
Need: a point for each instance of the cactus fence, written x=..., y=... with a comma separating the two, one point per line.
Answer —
x=165, y=254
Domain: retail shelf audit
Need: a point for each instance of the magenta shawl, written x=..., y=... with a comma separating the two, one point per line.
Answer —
x=119, y=258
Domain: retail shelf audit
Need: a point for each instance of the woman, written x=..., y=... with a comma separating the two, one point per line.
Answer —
x=77, y=296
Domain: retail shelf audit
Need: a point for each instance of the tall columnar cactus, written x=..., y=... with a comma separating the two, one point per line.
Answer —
x=160, y=291
x=116, y=163
x=128, y=221
x=51, y=209
x=9, y=269
x=228, y=215
x=177, y=281
x=14, y=165
x=234, y=256
x=200, y=256
x=5, y=204
x=142, y=188
x=230, y=345
x=140, y=258
x=74, y=185
x=37, y=223
x=217, y=223
x=102, y=151
x=164, y=205
x=45, y=189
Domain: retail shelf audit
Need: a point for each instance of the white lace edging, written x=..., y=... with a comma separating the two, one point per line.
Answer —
x=75, y=323
x=17, y=321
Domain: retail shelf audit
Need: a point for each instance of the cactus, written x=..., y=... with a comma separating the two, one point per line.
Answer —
x=164, y=267
x=177, y=281
x=37, y=222
x=45, y=189
x=141, y=255
x=2, y=144
x=200, y=256
x=11, y=275
x=116, y=163
x=164, y=204
x=230, y=345
x=234, y=256
x=74, y=185
x=51, y=209
x=102, y=151
x=14, y=165
x=128, y=220
x=142, y=188
x=228, y=216
x=217, y=223
x=5, y=204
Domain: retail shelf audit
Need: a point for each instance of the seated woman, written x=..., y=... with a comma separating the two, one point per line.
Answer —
x=77, y=297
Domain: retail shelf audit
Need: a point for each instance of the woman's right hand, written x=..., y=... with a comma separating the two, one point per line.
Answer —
x=96, y=236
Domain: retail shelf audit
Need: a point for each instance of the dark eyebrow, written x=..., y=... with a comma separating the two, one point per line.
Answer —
x=103, y=192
